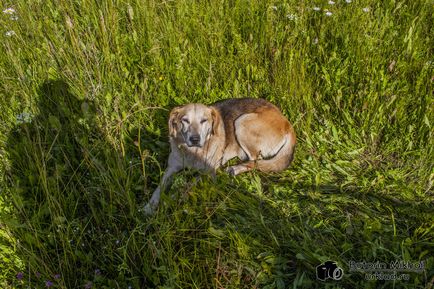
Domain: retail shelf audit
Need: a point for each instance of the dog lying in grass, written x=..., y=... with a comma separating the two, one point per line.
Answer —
x=206, y=137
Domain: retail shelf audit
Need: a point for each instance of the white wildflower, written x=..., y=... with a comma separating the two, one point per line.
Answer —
x=315, y=41
x=10, y=33
x=14, y=17
x=292, y=17
x=24, y=117
x=316, y=9
x=348, y=1
x=366, y=9
x=274, y=8
x=328, y=13
x=332, y=2
x=9, y=11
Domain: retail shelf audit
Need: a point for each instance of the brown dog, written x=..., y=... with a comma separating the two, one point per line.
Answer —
x=206, y=137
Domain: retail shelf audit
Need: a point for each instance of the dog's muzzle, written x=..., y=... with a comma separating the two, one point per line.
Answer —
x=194, y=141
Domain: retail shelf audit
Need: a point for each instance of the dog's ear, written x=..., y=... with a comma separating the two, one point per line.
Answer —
x=173, y=121
x=216, y=118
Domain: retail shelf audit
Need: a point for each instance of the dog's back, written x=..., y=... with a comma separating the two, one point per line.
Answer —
x=232, y=108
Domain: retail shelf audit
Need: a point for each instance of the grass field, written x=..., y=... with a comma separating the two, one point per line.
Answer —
x=86, y=88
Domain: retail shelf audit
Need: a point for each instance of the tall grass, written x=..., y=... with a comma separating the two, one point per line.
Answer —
x=86, y=88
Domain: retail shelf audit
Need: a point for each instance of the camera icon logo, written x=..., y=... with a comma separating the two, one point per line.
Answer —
x=329, y=270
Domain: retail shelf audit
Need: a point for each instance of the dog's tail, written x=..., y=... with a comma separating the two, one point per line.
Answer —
x=282, y=159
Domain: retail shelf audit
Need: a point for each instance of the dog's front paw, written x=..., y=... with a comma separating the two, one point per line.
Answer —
x=238, y=169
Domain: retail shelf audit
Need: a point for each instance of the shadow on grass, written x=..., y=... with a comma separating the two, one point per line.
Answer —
x=74, y=196
x=56, y=160
x=51, y=155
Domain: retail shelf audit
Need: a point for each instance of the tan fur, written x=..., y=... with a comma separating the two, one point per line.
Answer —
x=206, y=137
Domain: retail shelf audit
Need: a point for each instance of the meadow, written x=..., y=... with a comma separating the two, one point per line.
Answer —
x=86, y=88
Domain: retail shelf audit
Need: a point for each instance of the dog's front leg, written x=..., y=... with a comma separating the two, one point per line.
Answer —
x=165, y=182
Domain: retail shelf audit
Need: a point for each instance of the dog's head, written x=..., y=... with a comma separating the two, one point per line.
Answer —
x=193, y=123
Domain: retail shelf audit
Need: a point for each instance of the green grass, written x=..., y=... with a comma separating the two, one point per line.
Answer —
x=86, y=88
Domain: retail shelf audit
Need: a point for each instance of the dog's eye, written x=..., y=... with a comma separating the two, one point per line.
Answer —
x=185, y=120
x=203, y=120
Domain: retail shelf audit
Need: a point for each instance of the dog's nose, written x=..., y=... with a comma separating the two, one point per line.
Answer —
x=195, y=139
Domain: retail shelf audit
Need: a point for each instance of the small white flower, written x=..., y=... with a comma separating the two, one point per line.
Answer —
x=348, y=1
x=316, y=9
x=14, y=18
x=291, y=17
x=328, y=13
x=274, y=8
x=315, y=41
x=366, y=9
x=10, y=33
x=9, y=11
x=24, y=117
x=332, y=2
